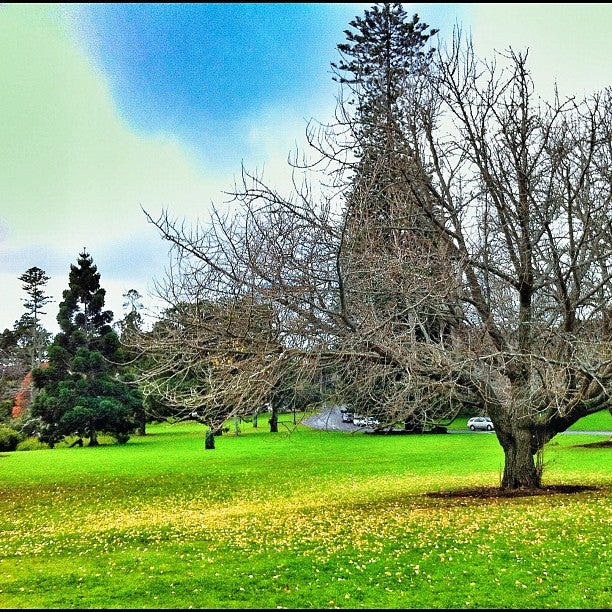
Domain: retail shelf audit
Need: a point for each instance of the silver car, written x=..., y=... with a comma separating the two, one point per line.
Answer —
x=481, y=422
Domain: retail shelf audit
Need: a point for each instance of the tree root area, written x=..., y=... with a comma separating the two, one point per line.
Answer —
x=496, y=492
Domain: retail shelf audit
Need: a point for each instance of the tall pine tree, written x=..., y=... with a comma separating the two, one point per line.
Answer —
x=395, y=277
x=34, y=281
x=383, y=63
x=82, y=392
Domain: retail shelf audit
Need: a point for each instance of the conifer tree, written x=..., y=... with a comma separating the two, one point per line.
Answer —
x=82, y=392
x=34, y=281
x=130, y=326
x=379, y=63
x=382, y=63
x=395, y=275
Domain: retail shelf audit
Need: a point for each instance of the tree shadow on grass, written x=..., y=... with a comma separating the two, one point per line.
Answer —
x=602, y=444
x=496, y=492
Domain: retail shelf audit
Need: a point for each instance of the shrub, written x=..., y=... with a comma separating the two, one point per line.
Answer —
x=9, y=438
x=32, y=443
x=122, y=438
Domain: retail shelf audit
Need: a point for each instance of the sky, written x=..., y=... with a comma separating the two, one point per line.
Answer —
x=107, y=110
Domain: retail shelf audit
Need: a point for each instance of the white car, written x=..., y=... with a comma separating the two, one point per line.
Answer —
x=365, y=421
x=481, y=422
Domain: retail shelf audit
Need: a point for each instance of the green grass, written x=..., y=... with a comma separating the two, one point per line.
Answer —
x=308, y=520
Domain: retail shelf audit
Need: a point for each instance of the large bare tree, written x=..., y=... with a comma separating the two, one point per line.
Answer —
x=511, y=254
x=525, y=188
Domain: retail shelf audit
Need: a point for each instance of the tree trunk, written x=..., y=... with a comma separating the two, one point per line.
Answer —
x=141, y=418
x=93, y=436
x=209, y=441
x=273, y=420
x=520, y=471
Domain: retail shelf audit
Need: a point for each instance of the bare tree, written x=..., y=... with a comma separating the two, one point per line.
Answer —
x=514, y=262
x=525, y=189
x=212, y=360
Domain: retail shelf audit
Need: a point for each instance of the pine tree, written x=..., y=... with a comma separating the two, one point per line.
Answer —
x=380, y=63
x=395, y=277
x=82, y=392
x=34, y=281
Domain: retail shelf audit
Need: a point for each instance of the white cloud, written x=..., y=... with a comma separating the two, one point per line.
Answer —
x=568, y=42
x=73, y=174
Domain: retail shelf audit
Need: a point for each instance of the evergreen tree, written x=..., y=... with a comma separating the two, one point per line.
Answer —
x=380, y=64
x=130, y=326
x=394, y=273
x=82, y=391
x=34, y=281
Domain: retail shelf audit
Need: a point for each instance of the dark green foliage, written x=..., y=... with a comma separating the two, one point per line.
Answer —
x=386, y=43
x=6, y=406
x=380, y=60
x=9, y=438
x=383, y=60
x=82, y=391
x=34, y=279
x=81, y=318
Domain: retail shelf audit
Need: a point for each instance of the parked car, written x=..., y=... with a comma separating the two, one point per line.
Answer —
x=347, y=413
x=365, y=421
x=481, y=422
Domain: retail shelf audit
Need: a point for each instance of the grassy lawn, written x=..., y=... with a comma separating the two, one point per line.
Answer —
x=308, y=520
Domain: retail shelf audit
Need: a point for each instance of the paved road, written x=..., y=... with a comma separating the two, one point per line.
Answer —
x=331, y=420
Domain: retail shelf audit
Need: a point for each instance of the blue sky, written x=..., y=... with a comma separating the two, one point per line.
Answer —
x=107, y=108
